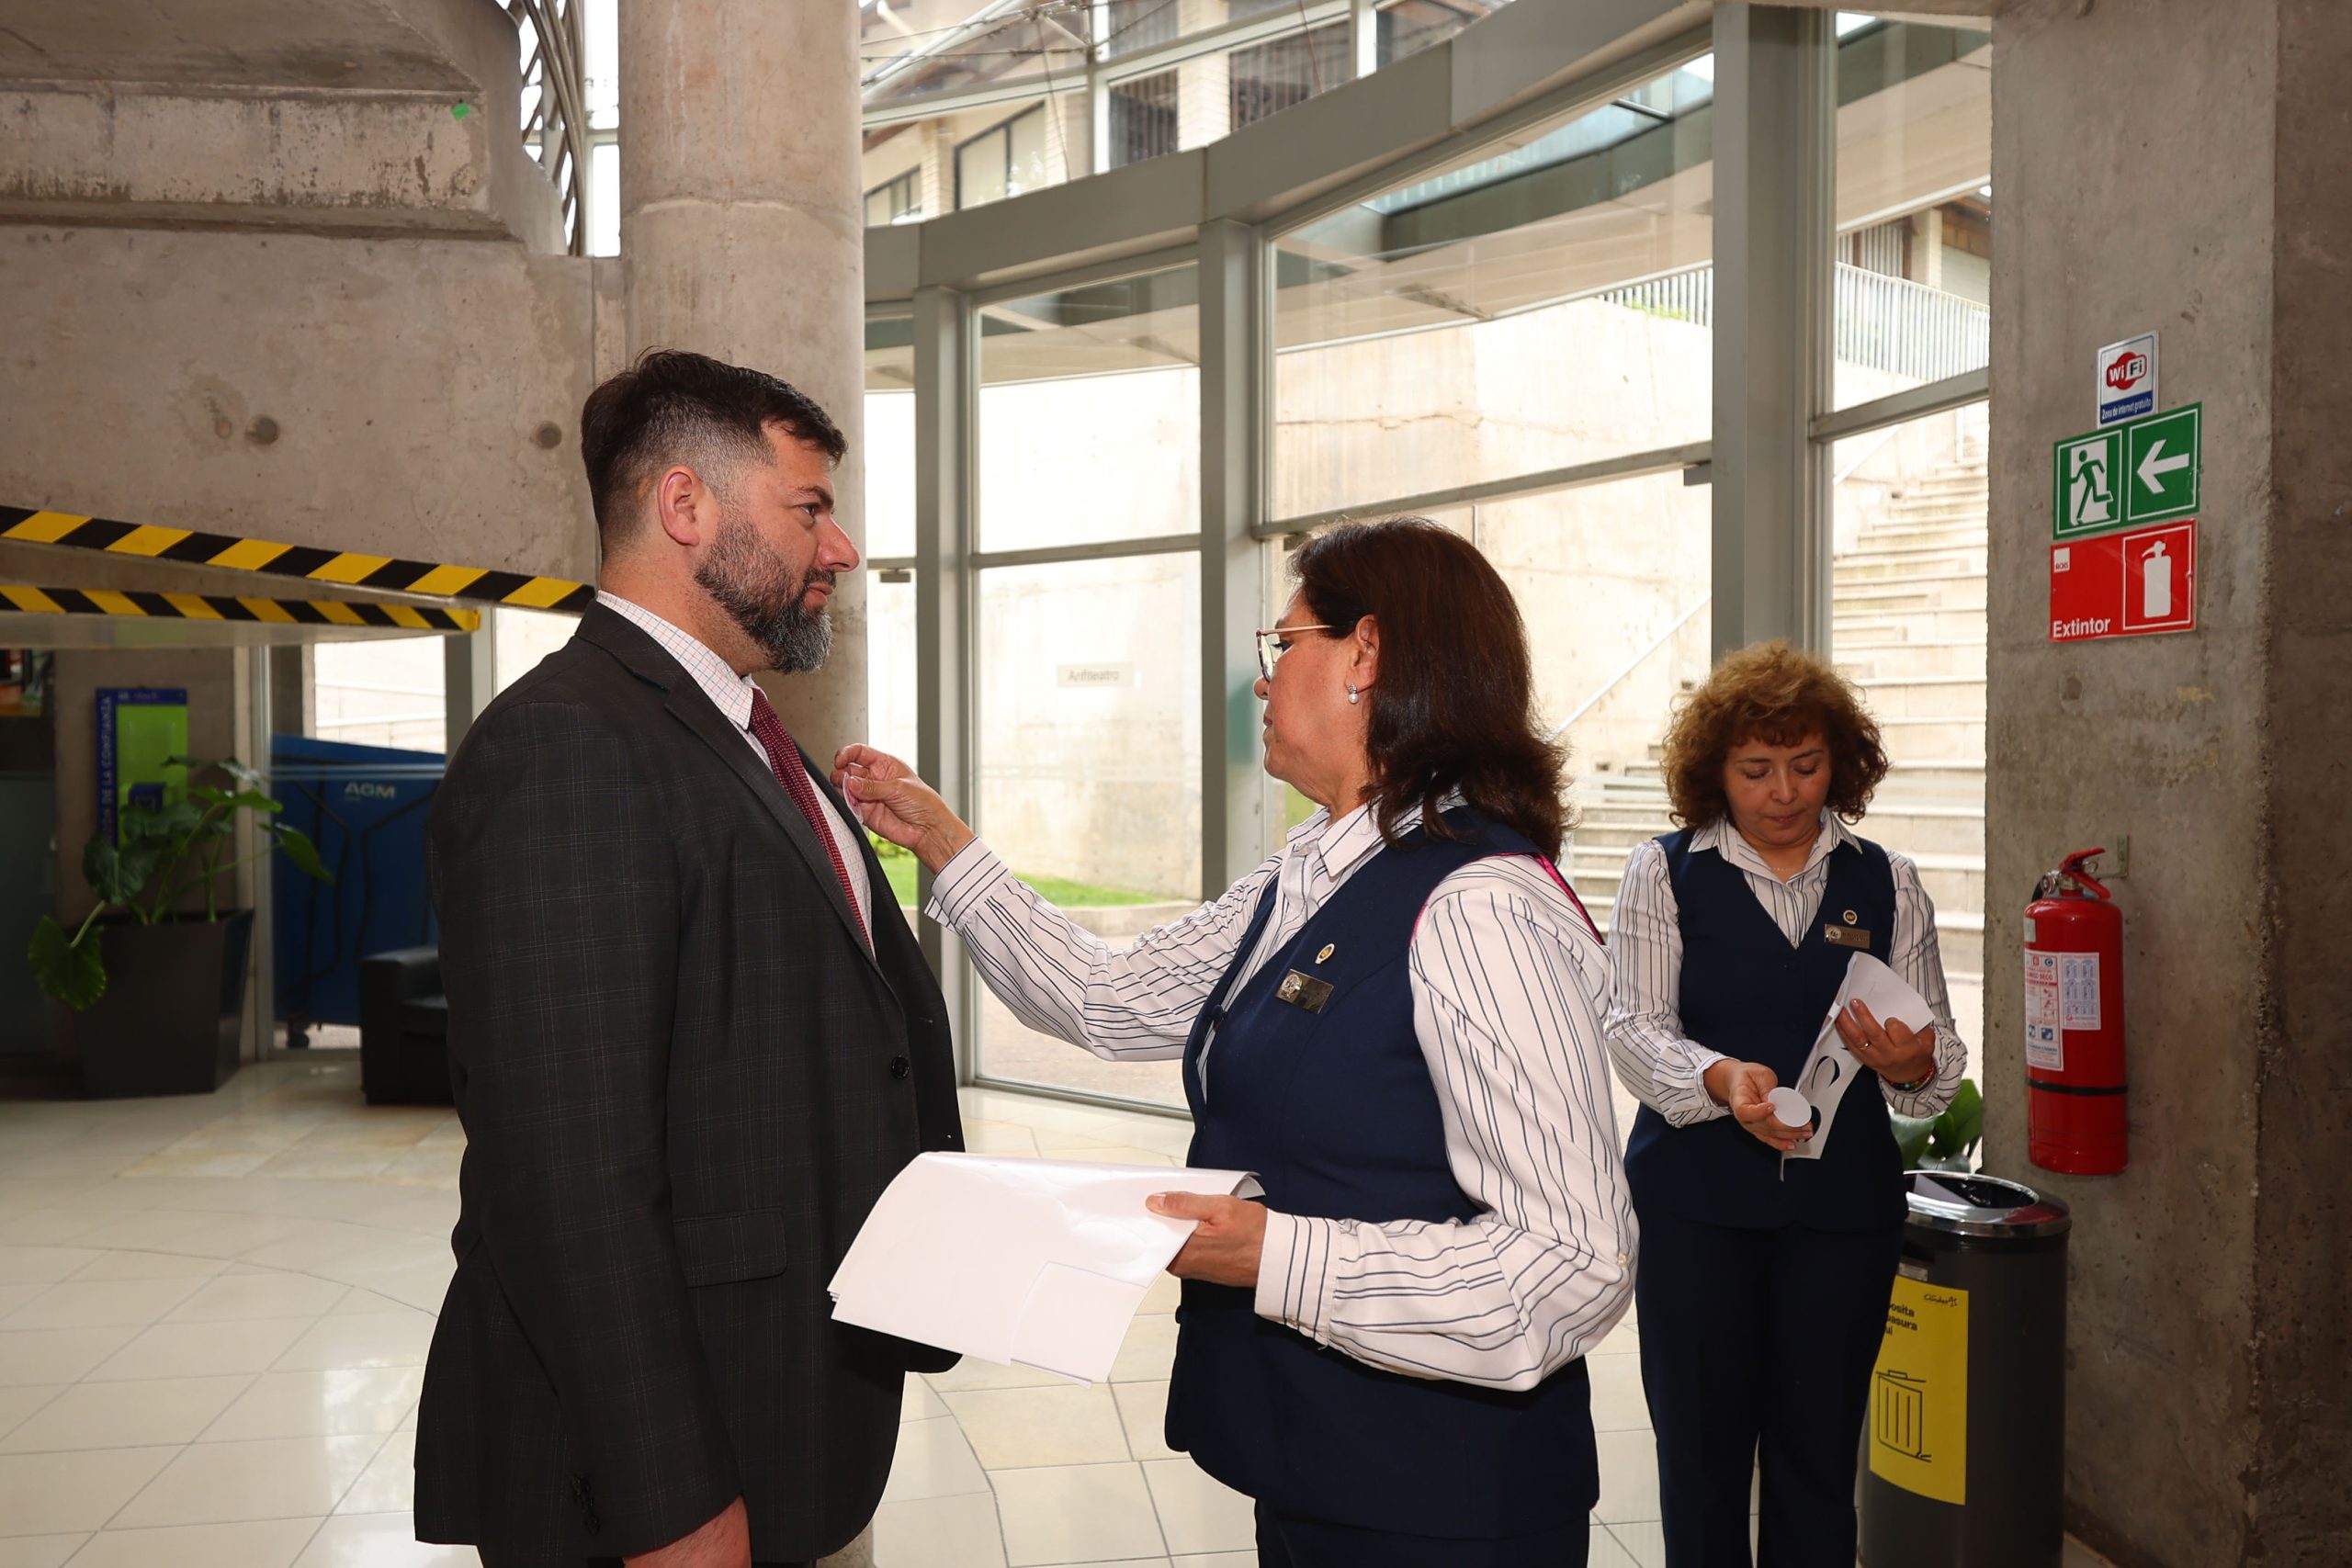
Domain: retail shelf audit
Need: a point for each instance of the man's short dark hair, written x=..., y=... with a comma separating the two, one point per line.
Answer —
x=676, y=407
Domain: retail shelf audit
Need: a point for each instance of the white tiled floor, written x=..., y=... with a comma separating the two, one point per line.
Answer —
x=214, y=1310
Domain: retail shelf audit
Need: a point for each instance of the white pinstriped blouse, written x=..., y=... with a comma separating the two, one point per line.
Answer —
x=1508, y=984
x=1659, y=1064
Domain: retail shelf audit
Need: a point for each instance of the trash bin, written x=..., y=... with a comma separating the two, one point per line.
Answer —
x=1964, y=1450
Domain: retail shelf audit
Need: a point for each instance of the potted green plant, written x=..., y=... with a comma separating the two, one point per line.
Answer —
x=158, y=992
x=1947, y=1141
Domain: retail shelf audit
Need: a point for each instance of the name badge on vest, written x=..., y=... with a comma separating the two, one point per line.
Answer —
x=1303, y=991
x=1847, y=935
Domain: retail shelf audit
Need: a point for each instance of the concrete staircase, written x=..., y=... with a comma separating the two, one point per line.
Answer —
x=1909, y=628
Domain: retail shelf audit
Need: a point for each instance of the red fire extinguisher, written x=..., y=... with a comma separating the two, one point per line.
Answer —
x=2074, y=1024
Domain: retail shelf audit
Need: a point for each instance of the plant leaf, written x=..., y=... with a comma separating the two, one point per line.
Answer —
x=73, y=973
x=303, y=853
x=247, y=780
x=109, y=876
x=1911, y=1134
x=1961, y=1125
x=253, y=800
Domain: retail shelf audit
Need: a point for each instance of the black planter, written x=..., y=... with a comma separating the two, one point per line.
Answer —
x=169, y=1022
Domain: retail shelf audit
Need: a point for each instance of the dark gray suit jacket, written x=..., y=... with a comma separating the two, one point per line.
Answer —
x=685, y=1082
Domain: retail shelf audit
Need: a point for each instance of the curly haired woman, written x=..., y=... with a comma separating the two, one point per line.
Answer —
x=1763, y=1287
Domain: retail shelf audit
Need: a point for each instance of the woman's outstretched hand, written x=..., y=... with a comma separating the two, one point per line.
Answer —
x=890, y=800
x=1747, y=1087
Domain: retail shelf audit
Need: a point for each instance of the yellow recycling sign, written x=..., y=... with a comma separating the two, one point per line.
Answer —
x=1919, y=1428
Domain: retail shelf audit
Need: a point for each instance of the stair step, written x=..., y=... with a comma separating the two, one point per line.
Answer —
x=1960, y=698
x=1903, y=624
x=1957, y=658
x=1864, y=567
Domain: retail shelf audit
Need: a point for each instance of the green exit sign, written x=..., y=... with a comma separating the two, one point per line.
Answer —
x=2147, y=470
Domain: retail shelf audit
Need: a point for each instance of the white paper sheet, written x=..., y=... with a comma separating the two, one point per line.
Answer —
x=1831, y=1067
x=1039, y=1262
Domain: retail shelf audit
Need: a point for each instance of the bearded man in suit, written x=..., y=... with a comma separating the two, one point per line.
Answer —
x=691, y=1036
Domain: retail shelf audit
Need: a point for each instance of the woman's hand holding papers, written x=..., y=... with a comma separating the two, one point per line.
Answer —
x=891, y=801
x=1224, y=1249
x=1902, y=1056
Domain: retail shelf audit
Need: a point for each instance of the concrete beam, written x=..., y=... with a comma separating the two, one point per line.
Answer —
x=412, y=398
x=370, y=162
x=249, y=43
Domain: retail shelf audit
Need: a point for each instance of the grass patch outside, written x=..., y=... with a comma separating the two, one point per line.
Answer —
x=899, y=866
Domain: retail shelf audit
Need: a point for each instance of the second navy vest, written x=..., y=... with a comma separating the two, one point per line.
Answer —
x=1744, y=991
x=1335, y=1112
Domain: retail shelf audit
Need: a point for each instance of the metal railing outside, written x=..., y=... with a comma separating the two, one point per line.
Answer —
x=555, y=103
x=1881, y=322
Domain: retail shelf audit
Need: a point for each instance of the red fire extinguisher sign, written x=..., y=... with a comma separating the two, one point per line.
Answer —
x=2073, y=1024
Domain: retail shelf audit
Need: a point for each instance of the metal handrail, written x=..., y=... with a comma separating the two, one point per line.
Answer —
x=555, y=111
x=1631, y=664
x=1877, y=320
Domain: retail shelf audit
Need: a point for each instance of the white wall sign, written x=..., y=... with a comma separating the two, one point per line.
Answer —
x=2127, y=378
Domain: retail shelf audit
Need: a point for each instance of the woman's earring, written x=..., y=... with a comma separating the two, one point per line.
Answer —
x=1352, y=694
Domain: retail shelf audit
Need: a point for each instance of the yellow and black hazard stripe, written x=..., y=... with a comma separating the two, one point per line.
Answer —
x=213, y=607
x=345, y=569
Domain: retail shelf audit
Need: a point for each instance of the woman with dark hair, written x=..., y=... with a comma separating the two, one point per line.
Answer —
x=1765, y=1281
x=1396, y=1023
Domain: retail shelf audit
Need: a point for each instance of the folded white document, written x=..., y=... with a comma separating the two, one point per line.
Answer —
x=1039, y=1262
x=1831, y=1067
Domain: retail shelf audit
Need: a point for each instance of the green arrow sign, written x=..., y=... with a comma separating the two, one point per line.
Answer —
x=2145, y=470
x=2161, y=453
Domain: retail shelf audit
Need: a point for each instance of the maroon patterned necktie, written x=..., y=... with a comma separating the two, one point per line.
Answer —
x=785, y=758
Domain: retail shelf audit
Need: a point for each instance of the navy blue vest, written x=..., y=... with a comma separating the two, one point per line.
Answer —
x=1747, y=993
x=1337, y=1115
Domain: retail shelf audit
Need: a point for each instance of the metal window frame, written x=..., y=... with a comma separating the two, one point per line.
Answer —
x=1226, y=206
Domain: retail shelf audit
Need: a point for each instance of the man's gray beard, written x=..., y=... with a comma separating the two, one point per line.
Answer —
x=758, y=595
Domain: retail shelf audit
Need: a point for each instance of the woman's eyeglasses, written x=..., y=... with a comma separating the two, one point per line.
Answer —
x=1272, y=643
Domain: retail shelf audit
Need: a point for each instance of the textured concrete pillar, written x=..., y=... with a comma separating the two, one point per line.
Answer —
x=742, y=236
x=2206, y=1415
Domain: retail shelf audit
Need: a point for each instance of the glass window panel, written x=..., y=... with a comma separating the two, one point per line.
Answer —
x=889, y=436
x=1408, y=27
x=1089, y=761
x=1908, y=622
x=1547, y=302
x=1026, y=169
x=982, y=169
x=1914, y=243
x=600, y=63
x=1143, y=118
x=605, y=200
x=386, y=692
x=898, y=200
x=1089, y=414
x=1267, y=78
x=1141, y=23
x=911, y=52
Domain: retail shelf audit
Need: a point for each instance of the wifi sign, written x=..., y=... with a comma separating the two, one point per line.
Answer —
x=2127, y=378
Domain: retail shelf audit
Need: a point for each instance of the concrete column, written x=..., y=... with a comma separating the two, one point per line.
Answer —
x=469, y=679
x=2205, y=1417
x=293, y=689
x=742, y=236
